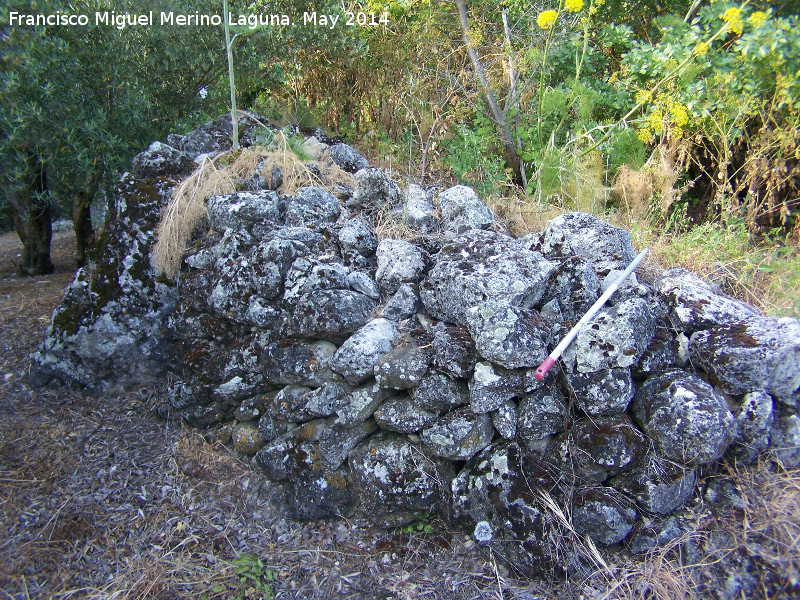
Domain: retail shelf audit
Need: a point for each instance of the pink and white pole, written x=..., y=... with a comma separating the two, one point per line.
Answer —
x=548, y=362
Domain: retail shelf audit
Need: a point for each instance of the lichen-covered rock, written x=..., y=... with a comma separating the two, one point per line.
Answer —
x=374, y=189
x=573, y=286
x=337, y=440
x=110, y=326
x=418, y=212
x=603, y=246
x=602, y=393
x=439, y=393
x=311, y=207
x=399, y=262
x=604, y=516
x=246, y=438
x=402, y=305
x=459, y=434
x=504, y=420
x=289, y=404
x=541, y=414
x=356, y=357
x=361, y=282
x=401, y=368
x=499, y=487
x=402, y=415
x=490, y=387
x=330, y=314
x=696, y=304
x=657, y=486
x=347, y=158
x=327, y=399
x=288, y=455
x=616, y=337
x=396, y=480
x=759, y=353
x=288, y=362
x=361, y=404
x=453, y=350
x=754, y=422
x=509, y=337
x=355, y=237
x=463, y=210
x=161, y=160
x=656, y=535
x=596, y=449
x=784, y=438
x=660, y=355
x=320, y=494
x=685, y=417
x=480, y=266
x=242, y=210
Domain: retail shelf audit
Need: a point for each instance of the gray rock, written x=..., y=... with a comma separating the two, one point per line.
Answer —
x=320, y=494
x=311, y=207
x=453, y=350
x=686, y=419
x=655, y=535
x=784, y=439
x=616, y=337
x=399, y=262
x=658, y=486
x=356, y=237
x=595, y=449
x=458, y=435
x=759, y=353
x=402, y=415
x=418, y=212
x=328, y=399
x=696, y=304
x=660, y=355
x=401, y=368
x=541, y=414
x=337, y=440
x=356, y=358
x=500, y=487
x=361, y=404
x=439, y=393
x=402, y=305
x=246, y=438
x=346, y=158
x=480, y=266
x=603, y=246
x=509, y=337
x=287, y=456
x=490, y=387
x=331, y=314
x=754, y=421
x=241, y=210
x=504, y=420
x=574, y=286
x=602, y=393
x=602, y=515
x=374, y=189
x=361, y=282
x=289, y=404
x=283, y=363
x=161, y=160
x=463, y=210
x=396, y=480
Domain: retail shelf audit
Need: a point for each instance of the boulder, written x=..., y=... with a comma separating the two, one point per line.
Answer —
x=573, y=286
x=453, y=350
x=463, y=210
x=481, y=266
x=509, y=337
x=401, y=368
x=402, y=305
x=758, y=353
x=602, y=393
x=361, y=404
x=603, y=515
x=418, y=212
x=696, y=304
x=246, y=438
x=657, y=486
x=337, y=441
x=355, y=237
x=754, y=421
x=685, y=417
x=327, y=399
x=160, y=160
x=361, y=282
x=347, y=158
x=490, y=387
x=399, y=262
x=288, y=362
x=504, y=420
x=402, y=415
x=541, y=414
x=242, y=210
x=458, y=435
x=356, y=358
x=439, y=393
x=374, y=189
x=784, y=439
x=330, y=314
x=311, y=207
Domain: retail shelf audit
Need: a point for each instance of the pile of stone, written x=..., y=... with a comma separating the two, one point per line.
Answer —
x=395, y=376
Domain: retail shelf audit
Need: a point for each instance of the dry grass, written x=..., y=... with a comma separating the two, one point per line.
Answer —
x=224, y=174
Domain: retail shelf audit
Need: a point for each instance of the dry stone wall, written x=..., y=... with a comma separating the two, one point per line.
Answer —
x=395, y=376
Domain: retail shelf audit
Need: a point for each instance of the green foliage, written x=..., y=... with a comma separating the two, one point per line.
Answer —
x=253, y=576
x=471, y=156
x=421, y=526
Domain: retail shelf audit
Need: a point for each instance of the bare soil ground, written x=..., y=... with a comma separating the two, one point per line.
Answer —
x=100, y=497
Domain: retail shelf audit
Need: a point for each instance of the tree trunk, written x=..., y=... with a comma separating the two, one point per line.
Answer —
x=32, y=221
x=497, y=116
x=81, y=219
